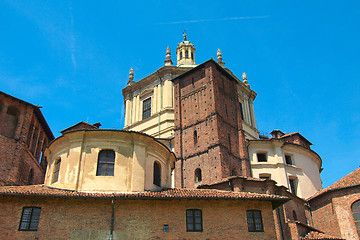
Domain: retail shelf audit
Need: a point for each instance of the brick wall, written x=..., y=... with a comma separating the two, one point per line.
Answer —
x=22, y=140
x=208, y=131
x=65, y=218
x=331, y=212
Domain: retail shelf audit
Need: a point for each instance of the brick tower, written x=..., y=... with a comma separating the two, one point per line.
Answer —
x=209, y=140
x=24, y=135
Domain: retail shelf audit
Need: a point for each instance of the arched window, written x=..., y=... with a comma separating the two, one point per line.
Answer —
x=180, y=55
x=56, y=171
x=186, y=54
x=198, y=177
x=106, y=161
x=195, y=137
x=294, y=216
x=355, y=208
x=157, y=174
x=192, y=55
x=11, y=120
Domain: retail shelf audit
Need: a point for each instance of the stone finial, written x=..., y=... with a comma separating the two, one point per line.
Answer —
x=219, y=55
x=168, y=61
x=245, y=79
x=219, y=58
x=131, y=77
x=184, y=35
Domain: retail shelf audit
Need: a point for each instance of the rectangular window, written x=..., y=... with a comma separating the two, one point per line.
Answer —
x=194, y=220
x=293, y=185
x=254, y=221
x=261, y=157
x=57, y=164
x=166, y=228
x=266, y=177
x=241, y=111
x=146, y=108
x=288, y=160
x=106, y=162
x=30, y=219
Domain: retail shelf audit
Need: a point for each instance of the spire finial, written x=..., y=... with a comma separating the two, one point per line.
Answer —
x=131, y=77
x=184, y=34
x=219, y=58
x=245, y=79
x=168, y=61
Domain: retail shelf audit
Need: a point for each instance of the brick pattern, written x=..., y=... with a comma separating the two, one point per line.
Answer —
x=332, y=214
x=65, y=218
x=22, y=141
x=208, y=131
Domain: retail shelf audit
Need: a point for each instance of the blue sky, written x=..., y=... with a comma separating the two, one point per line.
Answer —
x=301, y=57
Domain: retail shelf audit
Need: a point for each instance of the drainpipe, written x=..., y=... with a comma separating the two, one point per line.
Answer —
x=112, y=219
x=279, y=218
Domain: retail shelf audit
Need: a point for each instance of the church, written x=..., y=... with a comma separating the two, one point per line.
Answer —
x=189, y=164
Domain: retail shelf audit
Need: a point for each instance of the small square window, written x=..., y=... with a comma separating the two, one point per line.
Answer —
x=166, y=228
x=261, y=157
x=266, y=177
x=30, y=219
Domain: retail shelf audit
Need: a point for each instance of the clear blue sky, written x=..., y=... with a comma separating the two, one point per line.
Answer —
x=301, y=57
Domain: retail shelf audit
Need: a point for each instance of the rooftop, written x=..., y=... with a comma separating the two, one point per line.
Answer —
x=350, y=180
x=175, y=193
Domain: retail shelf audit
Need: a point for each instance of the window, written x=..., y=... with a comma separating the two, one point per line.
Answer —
x=146, y=108
x=11, y=121
x=194, y=220
x=293, y=186
x=180, y=55
x=241, y=111
x=106, y=161
x=355, y=208
x=229, y=140
x=166, y=228
x=198, y=177
x=186, y=54
x=195, y=137
x=30, y=219
x=254, y=221
x=294, y=216
x=57, y=164
x=265, y=176
x=192, y=55
x=288, y=160
x=157, y=174
x=261, y=157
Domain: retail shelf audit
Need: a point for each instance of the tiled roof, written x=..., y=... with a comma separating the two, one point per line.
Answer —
x=317, y=235
x=295, y=133
x=174, y=193
x=352, y=179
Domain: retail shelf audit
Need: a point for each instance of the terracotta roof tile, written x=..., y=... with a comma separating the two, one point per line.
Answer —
x=317, y=235
x=352, y=179
x=175, y=193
